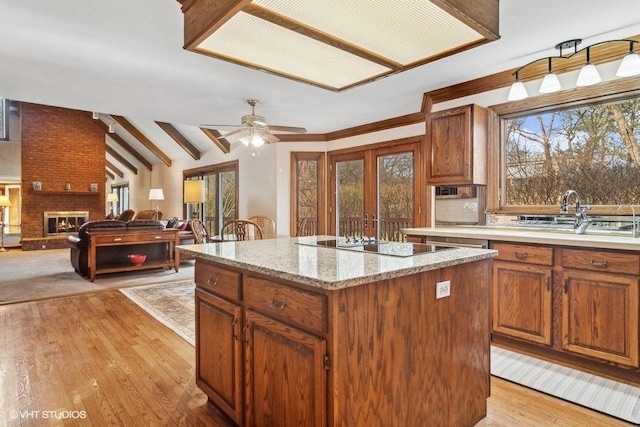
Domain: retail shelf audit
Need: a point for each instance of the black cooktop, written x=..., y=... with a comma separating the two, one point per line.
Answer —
x=399, y=249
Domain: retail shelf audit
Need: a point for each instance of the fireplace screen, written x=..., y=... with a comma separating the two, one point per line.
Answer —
x=56, y=223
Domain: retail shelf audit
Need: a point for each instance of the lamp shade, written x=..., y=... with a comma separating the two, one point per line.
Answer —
x=517, y=92
x=156, y=194
x=194, y=191
x=112, y=197
x=630, y=66
x=4, y=201
x=588, y=76
x=550, y=84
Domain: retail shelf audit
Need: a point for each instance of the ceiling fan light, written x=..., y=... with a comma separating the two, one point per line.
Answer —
x=245, y=140
x=630, y=66
x=256, y=140
x=588, y=76
x=550, y=84
x=517, y=92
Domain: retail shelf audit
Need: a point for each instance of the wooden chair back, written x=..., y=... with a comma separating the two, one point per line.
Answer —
x=306, y=227
x=200, y=232
x=241, y=229
x=267, y=225
x=127, y=215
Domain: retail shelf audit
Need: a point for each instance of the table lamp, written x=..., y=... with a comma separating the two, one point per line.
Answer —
x=194, y=193
x=113, y=198
x=4, y=202
x=156, y=194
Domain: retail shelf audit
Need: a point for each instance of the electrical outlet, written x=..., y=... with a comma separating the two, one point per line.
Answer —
x=443, y=289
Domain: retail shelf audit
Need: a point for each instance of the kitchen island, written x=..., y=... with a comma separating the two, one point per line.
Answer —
x=297, y=334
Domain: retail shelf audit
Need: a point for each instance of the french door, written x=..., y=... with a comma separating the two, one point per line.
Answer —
x=375, y=192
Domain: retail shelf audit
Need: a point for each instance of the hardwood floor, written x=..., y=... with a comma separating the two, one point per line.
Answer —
x=98, y=359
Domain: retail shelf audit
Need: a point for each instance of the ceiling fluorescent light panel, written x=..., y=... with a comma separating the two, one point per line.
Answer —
x=337, y=44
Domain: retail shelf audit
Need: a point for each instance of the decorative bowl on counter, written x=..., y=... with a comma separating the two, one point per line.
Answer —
x=136, y=259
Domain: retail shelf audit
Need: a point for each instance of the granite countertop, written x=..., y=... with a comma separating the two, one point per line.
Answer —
x=524, y=235
x=296, y=259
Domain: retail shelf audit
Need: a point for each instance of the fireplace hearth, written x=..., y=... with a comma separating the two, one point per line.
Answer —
x=63, y=222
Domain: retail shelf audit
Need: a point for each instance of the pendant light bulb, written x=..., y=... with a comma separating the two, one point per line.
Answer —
x=517, y=91
x=630, y=66
x=550, y=83
x=588, y=74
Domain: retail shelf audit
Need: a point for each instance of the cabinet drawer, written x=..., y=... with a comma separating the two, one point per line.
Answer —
x=293, y=306
x=129, y=238
x=218, y=280
x=613, y=262
x=524, y=253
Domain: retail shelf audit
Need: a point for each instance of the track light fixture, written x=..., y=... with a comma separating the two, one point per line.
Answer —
x=112, y=128
x=630, y=66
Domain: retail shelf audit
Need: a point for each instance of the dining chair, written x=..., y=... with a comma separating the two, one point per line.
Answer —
x=241, y=229
x=267, y=225
x=200, y=232
x=306, y=227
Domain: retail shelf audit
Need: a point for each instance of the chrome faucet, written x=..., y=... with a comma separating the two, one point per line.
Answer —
x=634, y=224
x=582, y=221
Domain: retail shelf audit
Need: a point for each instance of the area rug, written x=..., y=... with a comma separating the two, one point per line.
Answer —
x=172, y=304
x=610, y=397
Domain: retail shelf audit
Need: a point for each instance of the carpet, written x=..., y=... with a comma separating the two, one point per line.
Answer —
x=172, y=304
x=36, y=275
x=604, y=395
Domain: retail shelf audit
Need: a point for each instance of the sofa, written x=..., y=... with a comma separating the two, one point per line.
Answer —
x=113, y=255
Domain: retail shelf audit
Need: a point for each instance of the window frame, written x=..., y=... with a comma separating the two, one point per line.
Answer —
x=615, y=90
x=320, y=157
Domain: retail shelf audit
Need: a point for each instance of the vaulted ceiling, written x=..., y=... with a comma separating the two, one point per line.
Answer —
x=125, y=59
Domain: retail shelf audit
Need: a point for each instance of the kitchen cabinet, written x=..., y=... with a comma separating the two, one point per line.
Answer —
x=457, y=146
x=600, y=305
x=597, y=300
x=521, y=292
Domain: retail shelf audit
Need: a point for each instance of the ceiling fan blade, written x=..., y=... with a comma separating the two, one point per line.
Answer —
x=269, y=138
x=209, y=126
x=235, y=132
x=291, y=129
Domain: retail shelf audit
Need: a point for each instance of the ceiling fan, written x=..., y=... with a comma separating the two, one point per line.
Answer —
x=254, y=129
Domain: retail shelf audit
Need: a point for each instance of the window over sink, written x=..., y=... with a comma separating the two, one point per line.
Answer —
x=592, y=147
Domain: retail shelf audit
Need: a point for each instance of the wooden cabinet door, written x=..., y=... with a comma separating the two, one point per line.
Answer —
x=219, y=353
x=285, y=375
x=450, y=147
x=600, y=316
x=522, y=301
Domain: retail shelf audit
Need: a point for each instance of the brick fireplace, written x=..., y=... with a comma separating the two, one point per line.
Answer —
x=59, y=147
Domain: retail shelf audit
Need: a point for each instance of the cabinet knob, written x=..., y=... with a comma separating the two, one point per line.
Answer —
x=278, y=305
x=212, y=281
x=601, y=264
x=521, y=255
x=117, y=239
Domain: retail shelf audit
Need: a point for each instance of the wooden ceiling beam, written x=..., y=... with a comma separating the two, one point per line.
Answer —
x=113, y=153
x=217, y=139
x=129, y=127
x=180, y=140
x=124, y=144
x=109, y=175
x=114, y=168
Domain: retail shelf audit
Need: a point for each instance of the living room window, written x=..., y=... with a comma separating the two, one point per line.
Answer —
x=221, y=194
x=591, y=146
x=122, y=190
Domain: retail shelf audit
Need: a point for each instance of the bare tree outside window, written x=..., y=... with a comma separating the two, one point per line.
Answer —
x=592, y=149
